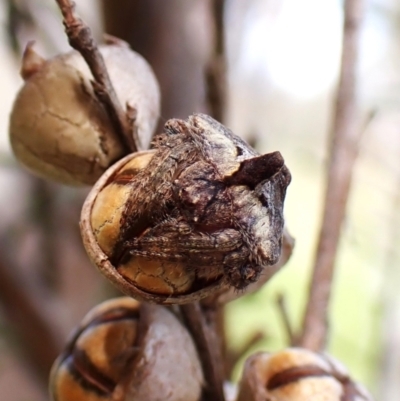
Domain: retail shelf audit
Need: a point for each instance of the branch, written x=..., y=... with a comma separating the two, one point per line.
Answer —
x=345, y=135
x=81, y=39
x=216, y=69
x=39, y=344
x=207, y=343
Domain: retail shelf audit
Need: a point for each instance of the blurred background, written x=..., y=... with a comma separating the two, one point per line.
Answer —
x=283, y=59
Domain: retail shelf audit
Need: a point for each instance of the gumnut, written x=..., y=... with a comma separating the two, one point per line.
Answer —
x=125, y=351
x=58, y=127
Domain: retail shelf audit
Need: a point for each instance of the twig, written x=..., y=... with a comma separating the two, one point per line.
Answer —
x=81, y=39
x=216, y=69
x=207, y=343
x=345, y=136
x=282, y=308
x=233, y=357
x=39, y=344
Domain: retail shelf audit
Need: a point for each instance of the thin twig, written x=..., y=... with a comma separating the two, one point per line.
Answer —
x=287, y=324
x=233, y=357
x=207, y=343
x=39, y=344
x=345, y=135
x=81, y=39
x=216, y=69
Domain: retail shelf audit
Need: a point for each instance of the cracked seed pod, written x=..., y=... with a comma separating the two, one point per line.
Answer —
x=201, y=212
x=124, y=351
x=58, y=128
x=297, y=374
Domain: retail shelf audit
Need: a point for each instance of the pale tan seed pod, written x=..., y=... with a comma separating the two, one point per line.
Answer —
x=297, y=374
x=58, y=128
x=124, y=351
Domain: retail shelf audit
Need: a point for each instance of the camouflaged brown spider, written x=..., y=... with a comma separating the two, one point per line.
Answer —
x=200, y=212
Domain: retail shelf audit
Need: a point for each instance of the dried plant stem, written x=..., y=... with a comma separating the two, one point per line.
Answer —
x=345, y=134
x=37, y=340
x=216, y=69
x=287, y=324
x=81, y=39
x=233, y=357
x=208, y=347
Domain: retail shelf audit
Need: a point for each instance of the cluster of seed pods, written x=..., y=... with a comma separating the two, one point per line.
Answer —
x=198, y=216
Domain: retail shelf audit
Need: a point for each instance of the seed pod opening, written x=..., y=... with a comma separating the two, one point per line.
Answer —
x=185, y=220
x=297, y=374
x=128, y=352
x=58, y=128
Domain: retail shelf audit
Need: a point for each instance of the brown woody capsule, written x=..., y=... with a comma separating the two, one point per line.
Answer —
x=297, y=374
x=127, y=352
x=58, y=128
x=199, y=213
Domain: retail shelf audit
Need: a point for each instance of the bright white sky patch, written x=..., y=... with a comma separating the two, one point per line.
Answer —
x=300, y=48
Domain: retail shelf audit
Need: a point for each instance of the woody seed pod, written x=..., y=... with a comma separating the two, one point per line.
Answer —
x=200, y=213
x=59, y=129
x=297, y=374
x=124, y=351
